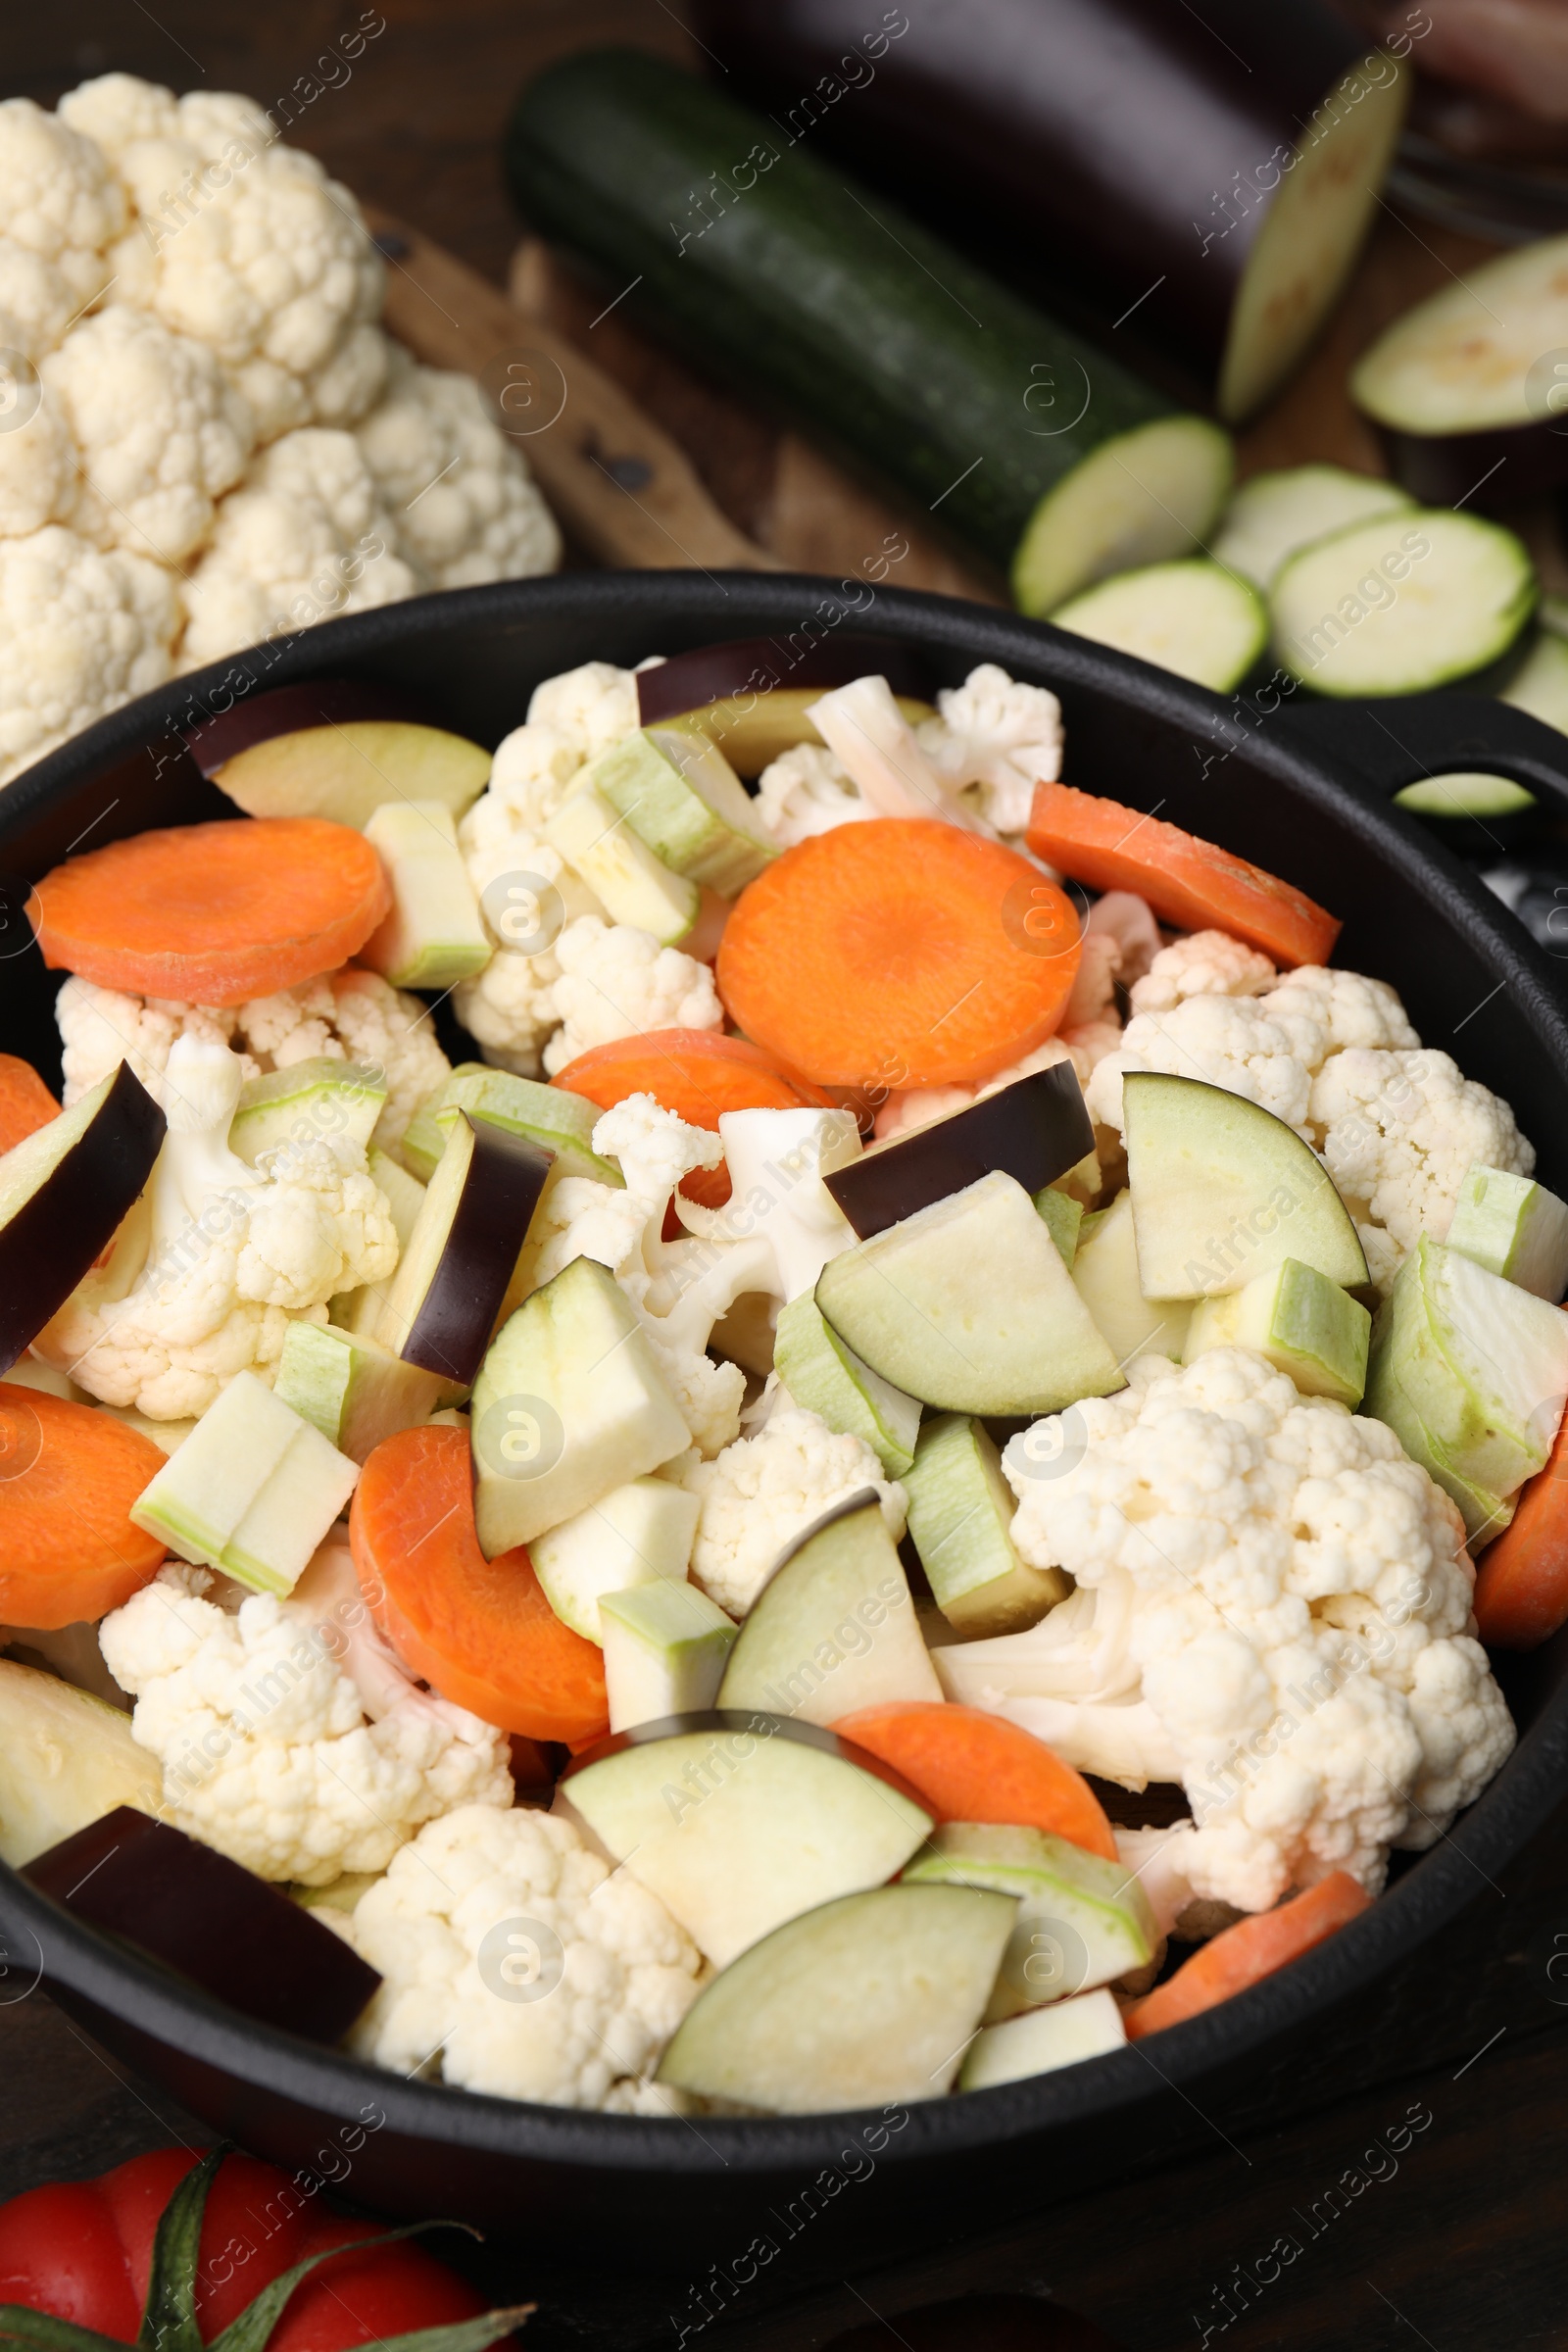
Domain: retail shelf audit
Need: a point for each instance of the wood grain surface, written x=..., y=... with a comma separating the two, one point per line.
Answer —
x=1456, y=2240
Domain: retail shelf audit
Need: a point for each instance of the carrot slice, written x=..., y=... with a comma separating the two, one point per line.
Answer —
x=26, y=1103
x=68, y=1475
x=899, y=952
x=971, y=1766
x=1190, y=883
x=479, y=1631
x=1522, y=1582
x=697, y=1074
x=214, y=914
x=1245, y=1954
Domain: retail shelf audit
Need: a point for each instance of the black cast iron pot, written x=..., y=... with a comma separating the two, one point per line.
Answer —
x=1302, y=791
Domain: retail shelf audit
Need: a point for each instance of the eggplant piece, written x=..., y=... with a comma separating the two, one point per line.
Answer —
x=752, y=696
x=336, y=749
x=1034, y=1130
x=452, y=1280
x=214, y=1923
x=1217, y=170
x=64, y=1190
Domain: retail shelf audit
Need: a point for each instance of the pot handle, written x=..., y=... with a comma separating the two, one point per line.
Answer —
x=1402, y=738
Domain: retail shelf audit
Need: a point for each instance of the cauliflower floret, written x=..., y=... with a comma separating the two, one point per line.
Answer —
x=161, y=432
x=761, y=1491
x=1399, y=1130
x=511, y=1005
x=592, y=707
x=465, y=506
x=1355, y=1010
x=1001, y=734
x=617, y=981
x=304, y=536
x=58, y=197
x=514, y=1961
x=530, y=775
x=1271, y=1605
x=265, y=1750
x=807, y=790
x=80, y=633
x=1205, y=963
x=39, y=478
x=246, y=244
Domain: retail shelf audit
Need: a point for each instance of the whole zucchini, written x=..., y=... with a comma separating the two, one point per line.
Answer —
x=734, y=242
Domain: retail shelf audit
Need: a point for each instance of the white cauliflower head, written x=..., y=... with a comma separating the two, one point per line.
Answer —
x=57, y=196
x=161, y=432
x=304, y=536
x=617, y=981
x=592, y=707
x=1001, y=734
x=465, y=504
x=1272, y=1603
x=80, y=632
x=511, y=1005
x=760, y=1492
x=807, y=790
x=265, y=1749
x=514, y=1961
x=1204, y=963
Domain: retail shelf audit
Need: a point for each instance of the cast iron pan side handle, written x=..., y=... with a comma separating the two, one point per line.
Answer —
x=1396, y=740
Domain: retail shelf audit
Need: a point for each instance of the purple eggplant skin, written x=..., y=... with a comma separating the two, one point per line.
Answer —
x=1034, y=1130
x=1129, y=148
x=1488, y=470
x=50, y=1243
x=291, y=711
x=213, y=1921
x=713, y=673
x=505, y=1181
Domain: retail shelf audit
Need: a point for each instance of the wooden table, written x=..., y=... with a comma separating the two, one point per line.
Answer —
x=1459, y=2241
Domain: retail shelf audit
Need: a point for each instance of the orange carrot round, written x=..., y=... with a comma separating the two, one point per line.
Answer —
x=214, y=914
x=970, y=1766
x=26, y=1103
x=68, y=1475
x=697, y=1074
x=1190, y=883
x=479, y=1631
x=1522, y=1581
x=901, y=953
x=1243, y=1955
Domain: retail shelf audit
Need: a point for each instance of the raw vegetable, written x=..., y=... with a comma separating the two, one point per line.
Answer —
x=960, y=1508
x=64, y=1191
x=1306, y=1324
x=212, y=914
x=334, y=748
x=1521, y=1595
x=253, y=1490
x=665, y=1648
x=1465, y=794
x=101, y=2254
x=834, y=1628
x=1471, y=1374
x=454, y=1279
x=1188, y=882
x=1401, y=603
x=1082, y=1921
x=351, y=1390
x=967, y=1306
x=631, y=883
x=1105, y=1272
x=733, y=693
x=26, y=1103
x=742, y=1822
x=875, y=746
x=969, y=1765
x=868, y=2000
x=1242, y=1956
x=1515, y=1228
x=1539, y=684
x=521, y=1105
x=1063, y=1218
x=433, y=936
x=884, y=951
x=1191, y=618
x=827, y=1378
x=68, y=1479
x=637, y=1534
x=1273, y=515
x=304, y=1103
x=481, y=1630
x=570, y=1402
x=214, y=1922
x=918, y=361
x=1223, y=1192
x=1040, y=2041
x=695, y=1073
x=685, y=802
x=1035, y=1130
x=66, y=1758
